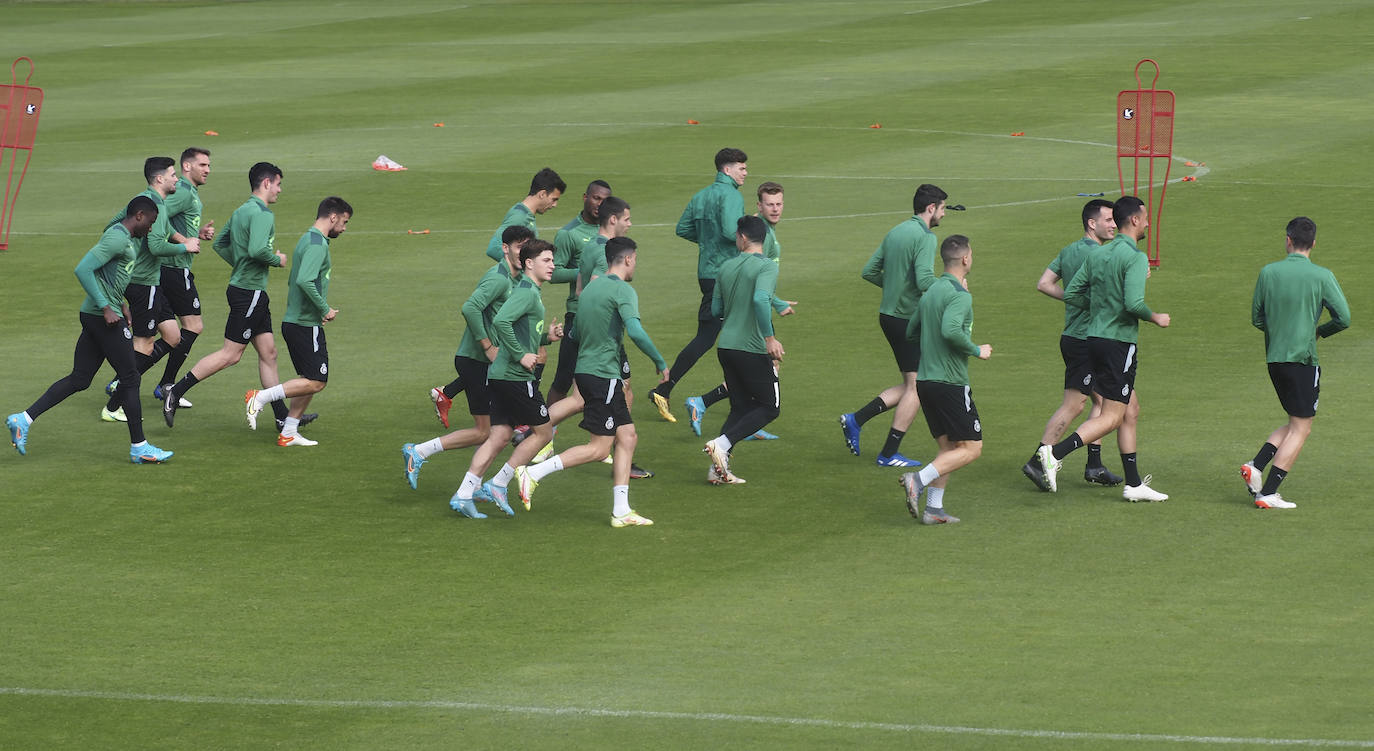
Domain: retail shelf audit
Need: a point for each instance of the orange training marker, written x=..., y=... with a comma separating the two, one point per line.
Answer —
x=1019, y=133
x=1190, y=164
x=417, y=231
x=438, y=125
x=876, y=126
x=211, y=133
x=693, y=122
x=1190, y=179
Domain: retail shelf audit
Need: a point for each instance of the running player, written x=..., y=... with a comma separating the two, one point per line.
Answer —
x=1116, y=275
x=178, y=284
x=476, y=351
x=246, y=244
x=944, y=322
x=609, y=310
x=545, y=188
x=710, y=221
x=568, y=245
x=904, y=266
x=770, y=210
x=1289, y=298
x=105, y=336
x=747, y=349
x=302, y=327
x=1098, y=228
x=515, y=398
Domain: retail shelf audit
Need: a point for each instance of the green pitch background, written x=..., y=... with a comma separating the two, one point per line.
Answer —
x=245, y=596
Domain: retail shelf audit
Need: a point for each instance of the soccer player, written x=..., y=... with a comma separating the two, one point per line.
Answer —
x=1116, y=275
x=904, y=266
x=302, y=327
x=568, y=245
x=770, y=210
x=609, y=309
x=515, y=398
x=246, y=244
x=747, y=348
x=105, y=336
x=1098, y=228
x=944, y=322
x=545, y=189
x=476, y=351
x=150, y=314
x=1288, y=302
x=183, y=209
x=710, y=221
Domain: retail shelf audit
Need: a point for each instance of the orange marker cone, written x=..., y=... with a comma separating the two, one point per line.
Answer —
x=417, y=231
x=211, y=132
x=876, y=126
x=438, y=125
x=693, y=122
x=1190, y=179
x=1019, y=133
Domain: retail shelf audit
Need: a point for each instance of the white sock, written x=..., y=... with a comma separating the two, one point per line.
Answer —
x=28, y=420
x=274, y=394
x=429, y=448
x=928, y=474
x=723, y=442
x=503, y=478
x=621, y=496
x=935, y=498
x=546, y=468
x=289, y=426
x=138, y=445
x=470, y=485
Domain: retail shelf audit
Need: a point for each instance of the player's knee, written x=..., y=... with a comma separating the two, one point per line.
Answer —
x=627, y=436
x=974, y=449
x=316, y=386
x=772, y=412
x=194, y=326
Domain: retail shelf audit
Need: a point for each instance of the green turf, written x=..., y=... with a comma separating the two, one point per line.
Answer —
x=245, y=596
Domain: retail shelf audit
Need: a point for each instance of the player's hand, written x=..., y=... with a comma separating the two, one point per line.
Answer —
x=207, y=233
x=491, y=351
x=528, y=361
x=330, y=315
x=111, y=317
x=984, y=351
x=541, y=356
x=1160, y=319
x=663, y=376
x=790, y=309
x=192, y=245
x=555, y=330
x=774, y=347
x=281, y=258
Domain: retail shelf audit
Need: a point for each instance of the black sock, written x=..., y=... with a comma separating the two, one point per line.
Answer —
x=177, y=357
x=894, y=441
x=1271, y=483
x=160, y=350
x=717, y=394
x=454, y=388
x=1094, y=455
x=1265, y=455
x=142, y=361
x=664, y=389
x=1035, y=458
x=1132, y=470
x=279, y=409
x=185, y=384
x=870, y=411
x=1067, y=446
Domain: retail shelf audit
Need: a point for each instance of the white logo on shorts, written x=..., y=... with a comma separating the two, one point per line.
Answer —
x=610, y=423
x=127, y=333
x=247, y=333
x=543, y=411
x=150, y=325
x=1088, y=379
x=195, y=303
x=1126, y=390
x=625, y=367
x=324, y=368
x=1314, y=405
x=978, y=425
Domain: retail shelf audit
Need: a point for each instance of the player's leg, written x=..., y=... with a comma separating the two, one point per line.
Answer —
x=1298, y=388
x=755, y=399
x=907, y=354
x=902, y=416
x=86, y=361
x=708, y=330
x=179, y=288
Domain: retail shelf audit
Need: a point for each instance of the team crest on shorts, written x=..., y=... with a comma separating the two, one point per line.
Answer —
x=1126, y=390
x=978, y=425
x=195, y=303
x=247, y=333
x=150, y=325
x=324, y=368
x=610, y=423
x=1088, y=379
x=543, y=411
x=625, y=367
x=127, y=333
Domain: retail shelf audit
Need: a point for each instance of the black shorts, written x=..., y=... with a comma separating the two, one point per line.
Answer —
x=949, y=411
x=624, y=364
x=249, y=314
x=1298, y=387
x=906, y=351
x=516, y=403
x=308, y=351
x=473, y=375
x=604, y=408
x=179, y=287
x=567, y=358
x=1114, y=365
x=751, y=378
x=1078, y=365
x=147, y=307
x=708, y=288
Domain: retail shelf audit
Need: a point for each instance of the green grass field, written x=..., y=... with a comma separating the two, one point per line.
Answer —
x=246, y=596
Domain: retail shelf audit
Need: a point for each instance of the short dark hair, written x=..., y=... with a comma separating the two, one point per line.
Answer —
x=1092, y=208
x=532, y=250
x=547, y=180
x=769, y=188
x=597, y=184
x=155, y=165
x=618, y=248
x=262, y=171
x=754, y=229
x=926, y=194
x=612, y=206
x=953, y=248
x=516, y=233
x=139, y=203
x=1125, y=208
x=730, y=156
x=333, y=205
x=1303, y=232
x=192, y=152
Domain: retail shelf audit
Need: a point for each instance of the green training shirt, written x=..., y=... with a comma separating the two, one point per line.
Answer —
x=610, y=309
x=593, y=262
x=151, y=250
x=741, y=297
x=711, y=220
x=246, y=243
x=183, y=209
x=104, y=271
x=1065, y=265
x=307, y=288
x=480, y=308
x=904, y=266
x=568, y=245
x=1111, y=286
x=772, y=250
x=1289, y=298
x=519, y=214
x=519, y=327
x=944, y=316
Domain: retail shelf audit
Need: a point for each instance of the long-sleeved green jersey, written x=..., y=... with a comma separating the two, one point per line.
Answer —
x=944, y=317
x=104, y=271
x=519, y=327
x=741, y=297
x=904, y=266
x=610, y=309
x=711, y=220
x=1111, y=286
x=1290, y=296
x=246, y=243
x=307, y=288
